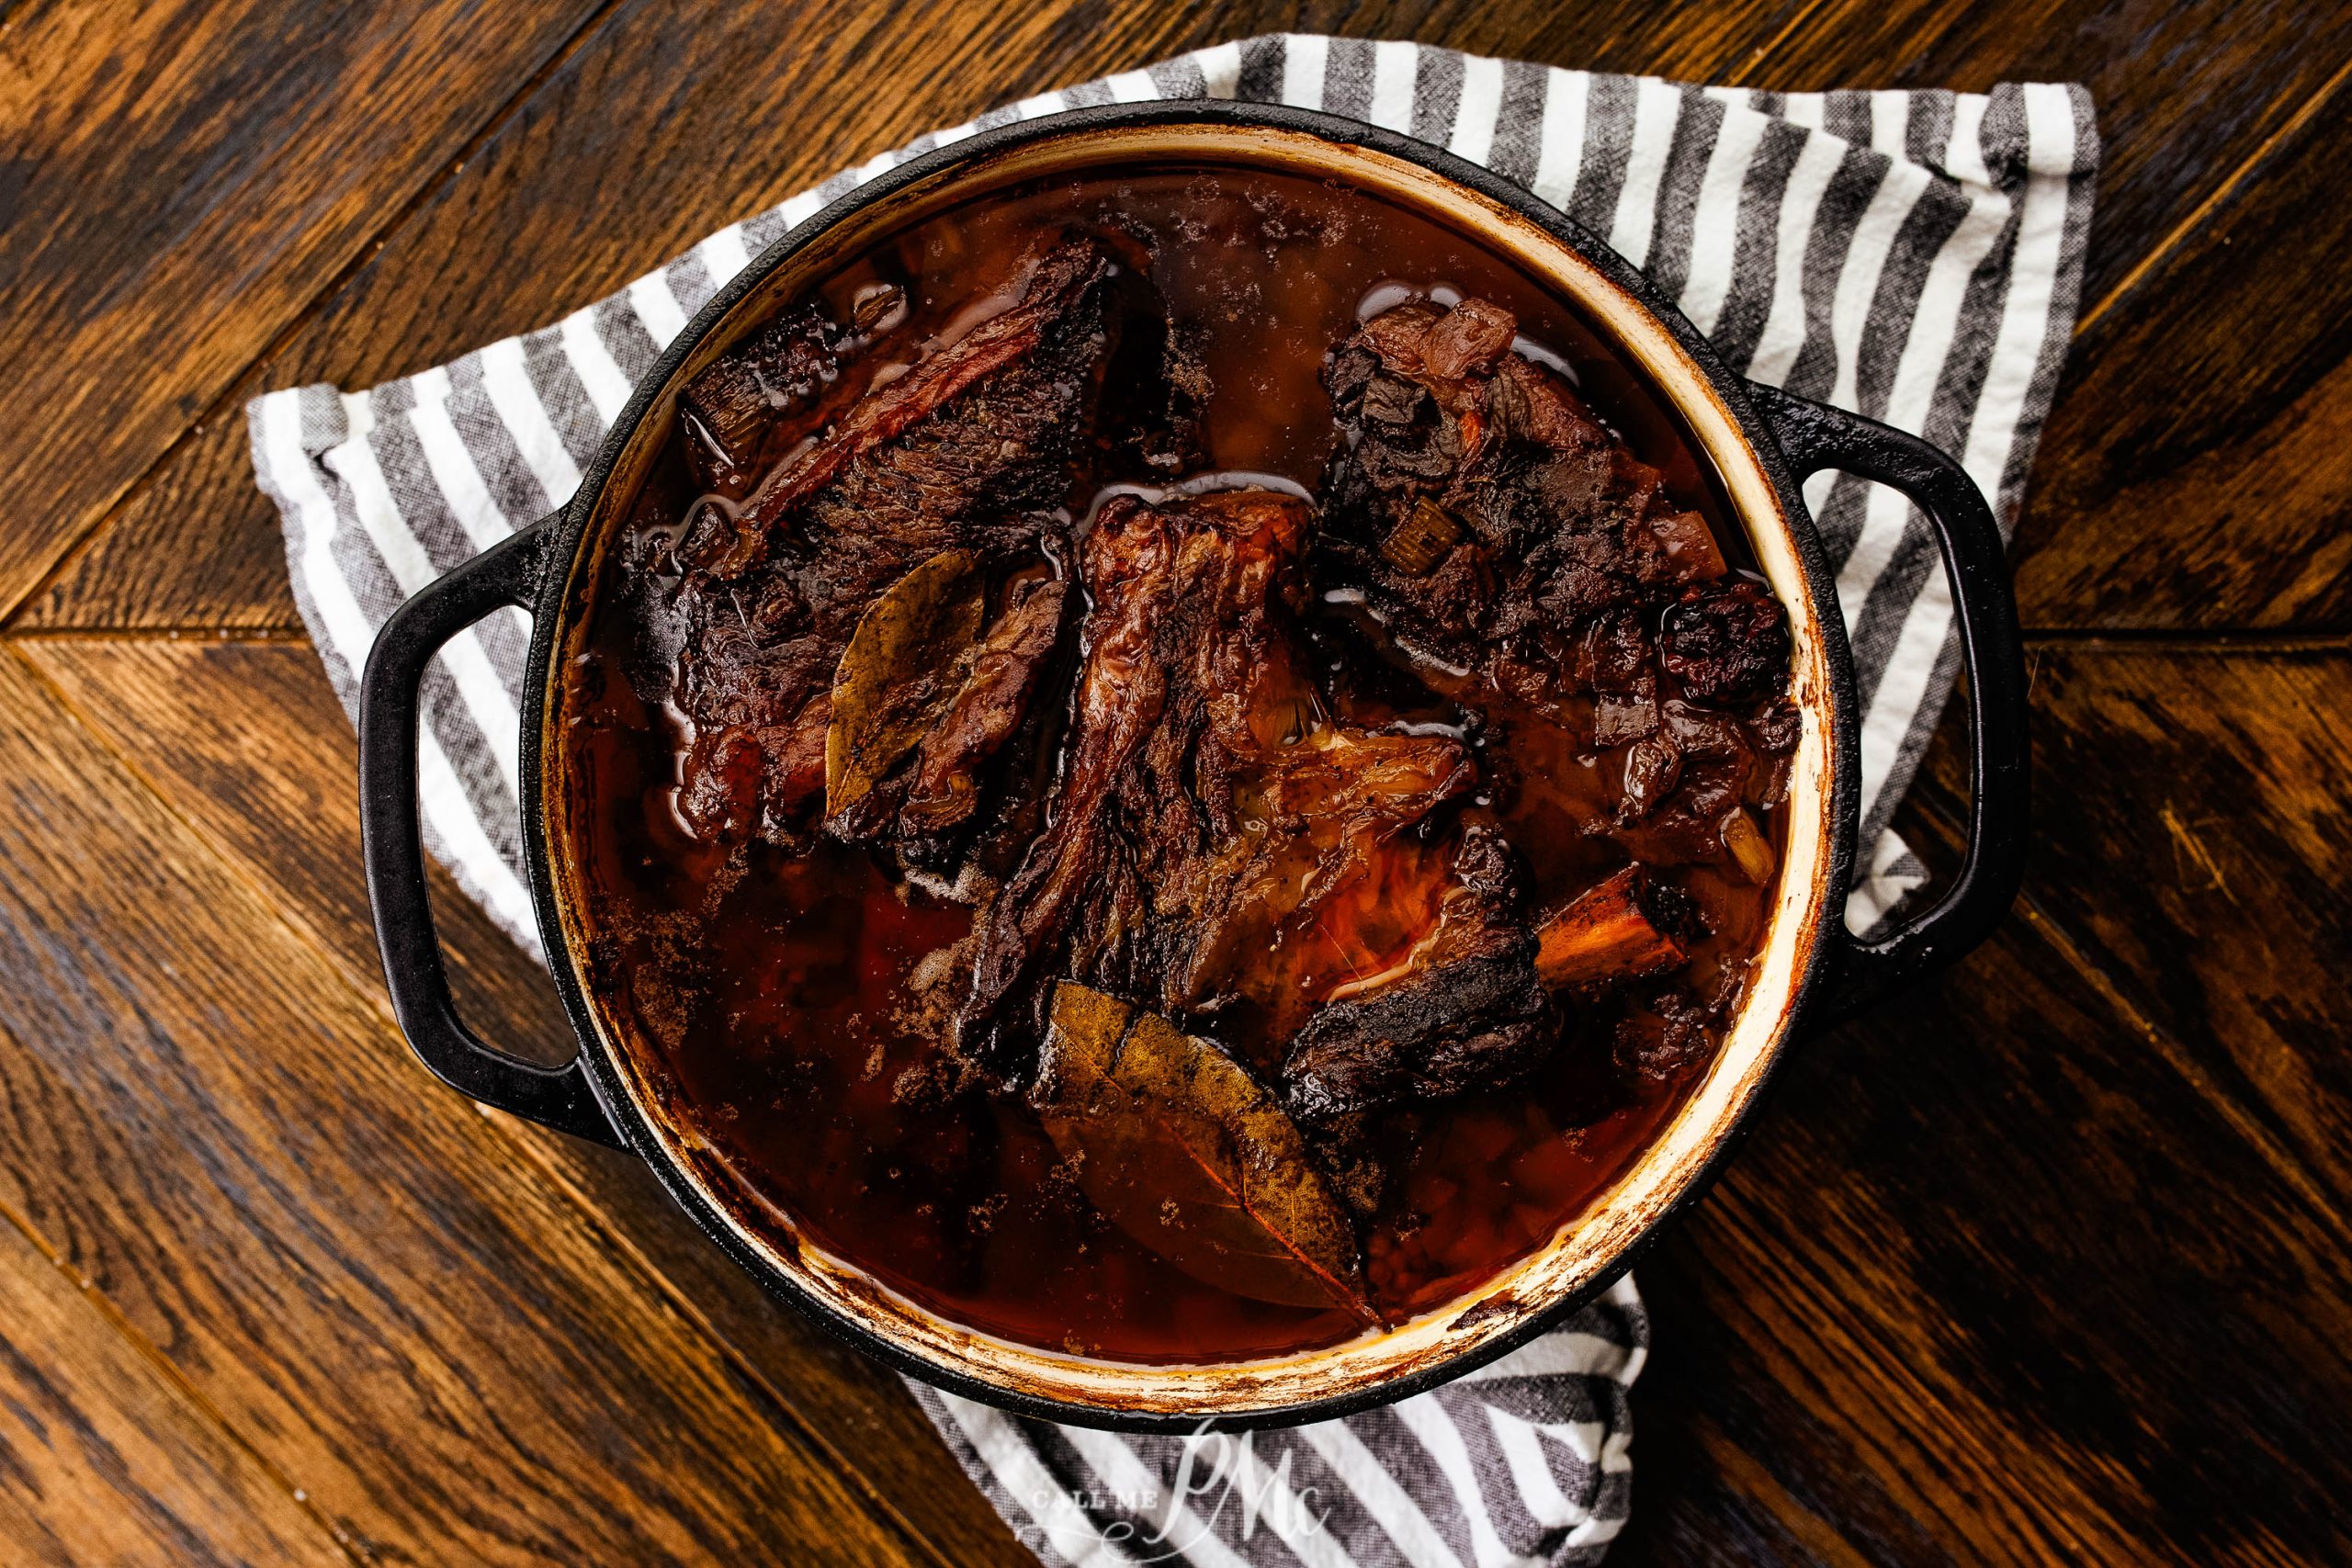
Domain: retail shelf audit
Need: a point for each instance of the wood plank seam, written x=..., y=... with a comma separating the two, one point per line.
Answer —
x=175, y=1381
x=796, y=1426
x=2180, y=231
x=361, y=255
x=81, y=544
x=2170, y=1047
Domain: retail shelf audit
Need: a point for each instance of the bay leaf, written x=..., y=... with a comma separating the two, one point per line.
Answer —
x=901, y=668
x=1181, y=1148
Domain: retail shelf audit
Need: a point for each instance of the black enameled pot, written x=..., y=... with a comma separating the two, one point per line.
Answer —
x=1809, y=972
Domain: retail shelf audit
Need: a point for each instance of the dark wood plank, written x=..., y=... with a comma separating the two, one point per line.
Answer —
x=580, y=191
x=362, y=1277
x=2198, y=468
x=103, y=1462
x=184, y=179
x=244, y=742
x=247, y=742
x=2186, y=93
x=2193, y=473
x=2190, y=841
x=1999, y=1280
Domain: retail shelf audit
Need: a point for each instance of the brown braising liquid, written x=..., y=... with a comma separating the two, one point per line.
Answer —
x=768, y=994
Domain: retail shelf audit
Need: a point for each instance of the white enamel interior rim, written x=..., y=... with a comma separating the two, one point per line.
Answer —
x=1588, y=1245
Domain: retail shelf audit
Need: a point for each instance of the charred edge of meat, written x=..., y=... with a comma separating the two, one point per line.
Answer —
x=1468, y=1012
x=733, y=403
x=733, y=409
x=1666, y=1035
x=1726, y=642
x=1475, y=1022
x=1004, y=677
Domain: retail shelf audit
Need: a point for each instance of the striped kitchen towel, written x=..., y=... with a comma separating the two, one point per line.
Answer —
x=1915, y=255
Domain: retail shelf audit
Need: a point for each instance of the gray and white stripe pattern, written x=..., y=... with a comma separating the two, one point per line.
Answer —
x=1527, y=1460
x=1913, y=256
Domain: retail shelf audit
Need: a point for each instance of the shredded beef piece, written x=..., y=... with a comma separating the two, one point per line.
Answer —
x=1217, y=837
x=1667, y=1034
x=1725, y=642
x=1617, y=654
x=1777, y=726
x=1006, y=669
x=1556, y=520
x=1665, y=1038
x=1492, y=520
x=972, y=448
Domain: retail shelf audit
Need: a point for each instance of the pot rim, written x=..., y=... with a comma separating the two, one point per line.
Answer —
x=1828, y=704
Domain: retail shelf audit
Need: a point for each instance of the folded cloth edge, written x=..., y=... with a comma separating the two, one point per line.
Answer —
x=1808, y=234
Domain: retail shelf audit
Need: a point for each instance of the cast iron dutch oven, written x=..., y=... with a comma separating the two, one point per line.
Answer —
x=1809, y=971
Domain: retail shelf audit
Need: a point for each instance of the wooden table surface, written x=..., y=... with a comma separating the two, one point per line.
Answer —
x=2047, y=1261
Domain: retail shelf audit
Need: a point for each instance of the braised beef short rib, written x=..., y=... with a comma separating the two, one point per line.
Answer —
x=1498, y=526
x=1220, y=842
x=973, y=448
x=874, y=626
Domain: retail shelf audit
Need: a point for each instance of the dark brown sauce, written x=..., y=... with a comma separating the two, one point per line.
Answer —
x=767, y=994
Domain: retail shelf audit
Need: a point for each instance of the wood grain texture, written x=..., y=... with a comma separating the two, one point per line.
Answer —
x=579, y=192
x=2198, y=468
x=2046, y=1263
x=2186, y=92
x=243, y=743
x=182, y=180
x=1996, y=1282
x=364, y=1281
x=2192, y=844
x=102, y=1460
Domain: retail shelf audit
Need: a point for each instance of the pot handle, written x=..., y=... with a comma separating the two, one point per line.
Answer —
x=391, y=838
x=1815, y=436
